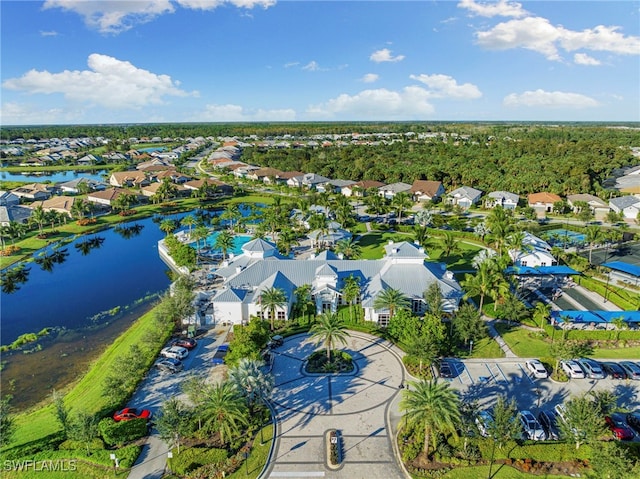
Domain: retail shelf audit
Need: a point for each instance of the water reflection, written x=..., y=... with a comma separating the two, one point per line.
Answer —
x=13, y=278
x=128, y=232
x=86, y=246
x=46, y=261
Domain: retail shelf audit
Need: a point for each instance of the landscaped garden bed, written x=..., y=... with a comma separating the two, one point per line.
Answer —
x=318, y=362
x=334, y=453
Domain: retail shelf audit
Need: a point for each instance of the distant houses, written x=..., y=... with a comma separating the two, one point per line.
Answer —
x=465, y=197
x=505, y=199
x=426, y=190
x=543, y=202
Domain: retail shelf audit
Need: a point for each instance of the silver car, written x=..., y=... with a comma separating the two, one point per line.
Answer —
x=572, y=369
x=536, y=368
x=532, y=428
x=591, y=368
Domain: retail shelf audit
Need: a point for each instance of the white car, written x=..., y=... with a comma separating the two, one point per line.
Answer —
x=532, y=428
x=175, y=352
x=536, y=368
x=572, y=369
x=483, y=421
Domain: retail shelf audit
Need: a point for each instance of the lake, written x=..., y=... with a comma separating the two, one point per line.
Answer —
x=52, y=176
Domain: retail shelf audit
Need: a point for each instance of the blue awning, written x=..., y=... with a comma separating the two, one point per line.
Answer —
x=540, y=270
x=631, y=269
x=576, y=317
x=627, y=316
x=559, y=270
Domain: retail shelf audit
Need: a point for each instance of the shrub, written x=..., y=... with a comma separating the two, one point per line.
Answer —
x=117, y=433
x=86, y=221
x=192, y=458
x=71, y=445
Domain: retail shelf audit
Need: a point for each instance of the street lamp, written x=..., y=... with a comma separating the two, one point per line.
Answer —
x=470, y=346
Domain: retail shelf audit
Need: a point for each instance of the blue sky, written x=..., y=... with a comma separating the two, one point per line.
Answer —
x=68, y=61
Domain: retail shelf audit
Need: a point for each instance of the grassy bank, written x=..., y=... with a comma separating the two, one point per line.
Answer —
x=86, y=394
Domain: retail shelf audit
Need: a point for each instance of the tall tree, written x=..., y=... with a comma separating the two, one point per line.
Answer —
x=583, y=423
x=272, y=299
x=253, y=384
x=541, y=313
x=390, y=299
x=505, y=426
x=329, y=331
x=223, y=410
x=468, y=324
x=351, y=292
x=449, y=244
x=304, y=301
x=224, y=242
x=349, y=248
x=7, y=421
x=432, y=405
x=168, y=226
x=593, y=235
x=174, y=421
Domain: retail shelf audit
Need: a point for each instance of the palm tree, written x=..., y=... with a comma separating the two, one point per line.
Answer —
x=351, y=292
x=303, y=299
x=39, y=217
x=433, y=405
x=391, y=299
x=421, y=234
x=401, y=201
x=200, y=233
x=541, y=313
x=349, y=248
x=189, y=221
x=168, y=226
x=251, y=381
x=223, y=410
x=328, y=331
x=232, y=214
x=423, y=348
x=224, y=242
x=79, y=208
x=270, y=300
x=482, y=283
x=449, y=244
x=593, y=234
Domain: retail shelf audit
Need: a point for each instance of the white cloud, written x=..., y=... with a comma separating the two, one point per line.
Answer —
x=369, y=78
x=538, y=34
x=109, y=82
x=382, y=104
x=50, y=33
x=312, y=66
x=231, y=112
x=501, y=8
x=444, y=86
x=384, y=55
x=549, y=99
x=584, y=59
x=115, y=16
x=13, y=113
x=108, y=16
x=291, y=64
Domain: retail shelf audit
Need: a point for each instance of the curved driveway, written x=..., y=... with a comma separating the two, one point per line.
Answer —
x=361, y=405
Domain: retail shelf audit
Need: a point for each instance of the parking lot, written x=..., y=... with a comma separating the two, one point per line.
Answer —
x=483, y=380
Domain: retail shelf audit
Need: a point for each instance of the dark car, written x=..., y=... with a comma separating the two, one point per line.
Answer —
x=446, y=369
x=631, y=369
x=187, y=343
x=549, y=421
x=129, y=413
x=618, y=426
x=613, y=370
x=170, y=365
x=633, y=420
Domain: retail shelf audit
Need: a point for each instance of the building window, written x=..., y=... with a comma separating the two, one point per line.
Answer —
x=416, y=306
x=523, y=263
x=383, y=320
x=281, y=315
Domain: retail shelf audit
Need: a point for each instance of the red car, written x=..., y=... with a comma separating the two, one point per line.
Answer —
x=186, y=343
x=619, y=427
x=129, y=413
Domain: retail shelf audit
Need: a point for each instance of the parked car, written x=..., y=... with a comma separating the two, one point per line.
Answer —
x=572, y=369
x=633, y=420
x=614, y=370
x=536, y=368
x=532, y=428
x=175, y=352
x=129, y=413
x=591, y=368
x=618, y=426
x=446, y=369
x=187, y=343
x=483, y=421
x=631, y=369
x=276, y=341
x=223, y=348
x=170, y=365
x=549, y=422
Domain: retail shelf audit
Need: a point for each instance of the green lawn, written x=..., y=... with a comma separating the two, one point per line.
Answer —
x=85, y=394
x=258, y=456
x=486, y=348
x=620, y=353
x=372, y=244
x=498, y=472
x=523, y=342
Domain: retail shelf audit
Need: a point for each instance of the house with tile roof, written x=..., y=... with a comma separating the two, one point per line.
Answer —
x=465, y=196
x=543, y=202
x=360, y=188
x=508, y=201
x=426, y=190
x=260, y=267
x=389, y=191
x=33, y=191
x=598, y=207
x=59, y=204
x=128, y=179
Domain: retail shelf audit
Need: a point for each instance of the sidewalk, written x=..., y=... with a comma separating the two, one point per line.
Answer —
x=493, y=333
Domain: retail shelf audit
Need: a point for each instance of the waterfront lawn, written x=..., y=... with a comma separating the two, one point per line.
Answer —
x=86, y=394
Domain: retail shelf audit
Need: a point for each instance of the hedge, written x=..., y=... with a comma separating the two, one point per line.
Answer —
x=118, y=433
x=538, y=451
x=192, y=458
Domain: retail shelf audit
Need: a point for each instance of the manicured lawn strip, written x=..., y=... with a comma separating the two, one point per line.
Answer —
x=87, y=393
x=622, y=298
x=498, y=472
x=621, y=353
x=372, y=244
x=524, y=342
x=257, y=456
x=486, y=348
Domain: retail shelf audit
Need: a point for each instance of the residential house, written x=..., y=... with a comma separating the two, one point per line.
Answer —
x=465, y=196
x=360, y=188
x=152, y=188
x=7, y=198
x=73, y=186
x=16, y=213
x=108, y=196
x=128, y=179
x=285, y=176
x=389, y=191
x=266, y=175
x=60, y=204
x=220, y=187
x=628, y=206
x=33, y=191
x=426, y=190
x=508, y=201
x=156, y=164
x=173, y=175
x=311, y=181
x=598, y=207
x=543, y=202
x=87, y=160
x=337, y=185
x=534, y=252
x=260, y=267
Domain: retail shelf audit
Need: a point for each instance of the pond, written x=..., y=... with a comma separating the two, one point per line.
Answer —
x=52, y=176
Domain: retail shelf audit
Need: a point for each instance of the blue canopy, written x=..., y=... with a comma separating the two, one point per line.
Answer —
x=540, y=270
x=627, y=316
x=576, y=317
x=631, y=269
x=559, y=270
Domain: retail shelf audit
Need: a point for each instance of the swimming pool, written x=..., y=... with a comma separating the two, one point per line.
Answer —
x=238, y=242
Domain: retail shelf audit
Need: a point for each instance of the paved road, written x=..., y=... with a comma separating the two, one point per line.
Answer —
x=157, y=388
x=362, y=405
